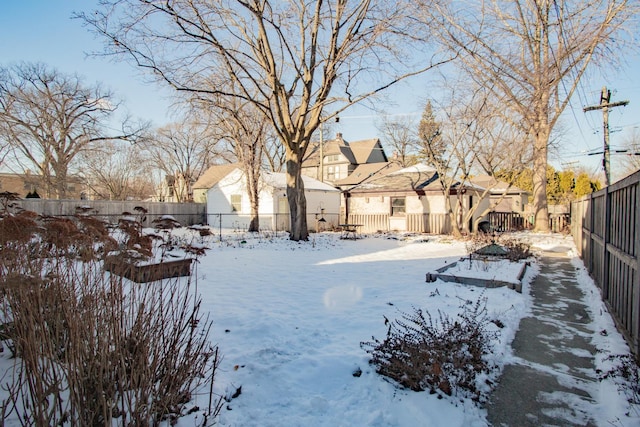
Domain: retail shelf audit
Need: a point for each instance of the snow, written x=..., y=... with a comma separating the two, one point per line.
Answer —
x=296, y=314
x=279, y=180
x=419, y=168
x=503, y=270
x=289, y=318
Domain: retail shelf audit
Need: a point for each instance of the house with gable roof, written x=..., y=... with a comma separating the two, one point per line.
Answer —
x=407, y=199
x=341, y=158
x=224, y=190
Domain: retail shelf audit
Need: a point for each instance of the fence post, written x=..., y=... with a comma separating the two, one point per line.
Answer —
x=636, y=288
x=592, y=246
x=607, y=239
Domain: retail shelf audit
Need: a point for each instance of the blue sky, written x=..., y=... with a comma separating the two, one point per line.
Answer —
x=42, y=30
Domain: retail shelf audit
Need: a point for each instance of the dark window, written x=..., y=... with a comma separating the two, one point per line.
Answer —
x=398, y=206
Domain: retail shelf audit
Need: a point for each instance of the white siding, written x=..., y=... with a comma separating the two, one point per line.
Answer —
x=272, y=207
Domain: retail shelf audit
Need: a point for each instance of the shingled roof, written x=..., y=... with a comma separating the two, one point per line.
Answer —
x=413, y=178
x=214, y=174
x=356, y=152
x=365, y=172
x=495, y=186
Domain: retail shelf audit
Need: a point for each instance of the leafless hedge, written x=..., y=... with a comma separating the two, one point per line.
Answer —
x=92, y=348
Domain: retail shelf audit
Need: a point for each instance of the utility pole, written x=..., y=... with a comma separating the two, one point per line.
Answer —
x=605, y=104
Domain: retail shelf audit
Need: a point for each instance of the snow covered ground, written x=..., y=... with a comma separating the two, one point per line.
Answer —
x=289, y=319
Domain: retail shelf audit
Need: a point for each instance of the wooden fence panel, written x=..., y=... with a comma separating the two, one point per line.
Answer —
x=371, y=223
x=607, y=236
x=438, y=223
x=417, y=222
x=185, y=213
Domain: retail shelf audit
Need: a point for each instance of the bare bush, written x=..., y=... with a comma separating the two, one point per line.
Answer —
x=626, y=374
x=92, y=347
x=478, y=241
x=515, y=249
x=421, y=353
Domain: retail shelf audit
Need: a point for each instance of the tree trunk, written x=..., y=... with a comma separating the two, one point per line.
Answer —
x=297, y=202
x=253, y=190
x=541, y=210
x=453, y=214
x=60, y=182
x=254, y=224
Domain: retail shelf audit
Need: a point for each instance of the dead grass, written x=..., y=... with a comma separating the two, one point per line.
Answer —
x=92, y=348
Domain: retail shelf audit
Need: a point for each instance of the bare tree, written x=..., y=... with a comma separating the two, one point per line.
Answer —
x=298, y=62
x=48, y=118
x=183, y=151
x=246, y=131
x=631, y=160
x=400, y=134
x=449, y=146
x=504, y=146
x=532, y=54
x=117, y=171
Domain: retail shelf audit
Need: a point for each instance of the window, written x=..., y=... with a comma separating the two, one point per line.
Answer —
x=331, y=174
x=397, y=206
x=236, y=202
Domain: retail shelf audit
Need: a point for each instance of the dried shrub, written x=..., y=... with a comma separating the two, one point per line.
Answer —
x=8, y=202
x=135, y=240
x=93, y=348
x=17, y=229
x=626, y=374
x=516, y=249
x=477, y=241
x=20, y=247
x=446, y=354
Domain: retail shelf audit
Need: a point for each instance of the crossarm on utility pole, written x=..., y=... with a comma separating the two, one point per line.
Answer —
x=604, y=105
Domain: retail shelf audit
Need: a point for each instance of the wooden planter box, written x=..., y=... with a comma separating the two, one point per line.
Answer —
x=443, y=274
x=148, y=272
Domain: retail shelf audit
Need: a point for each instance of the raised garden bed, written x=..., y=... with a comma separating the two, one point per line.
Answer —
x=140, y=272
x=488, y=273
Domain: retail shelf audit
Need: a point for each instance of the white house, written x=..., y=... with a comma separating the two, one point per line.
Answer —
x=224, y=189
x=408, y=199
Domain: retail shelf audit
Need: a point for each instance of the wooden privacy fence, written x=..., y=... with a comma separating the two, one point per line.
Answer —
x=417, y=223
x=515, y=221
x=185, y=213
x=605, y=227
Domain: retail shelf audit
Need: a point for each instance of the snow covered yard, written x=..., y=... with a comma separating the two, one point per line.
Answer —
x=289, y=319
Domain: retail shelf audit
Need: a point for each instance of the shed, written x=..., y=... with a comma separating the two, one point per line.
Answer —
x=224, y=190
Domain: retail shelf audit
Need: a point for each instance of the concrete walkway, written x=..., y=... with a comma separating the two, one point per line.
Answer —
x=551, y=380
